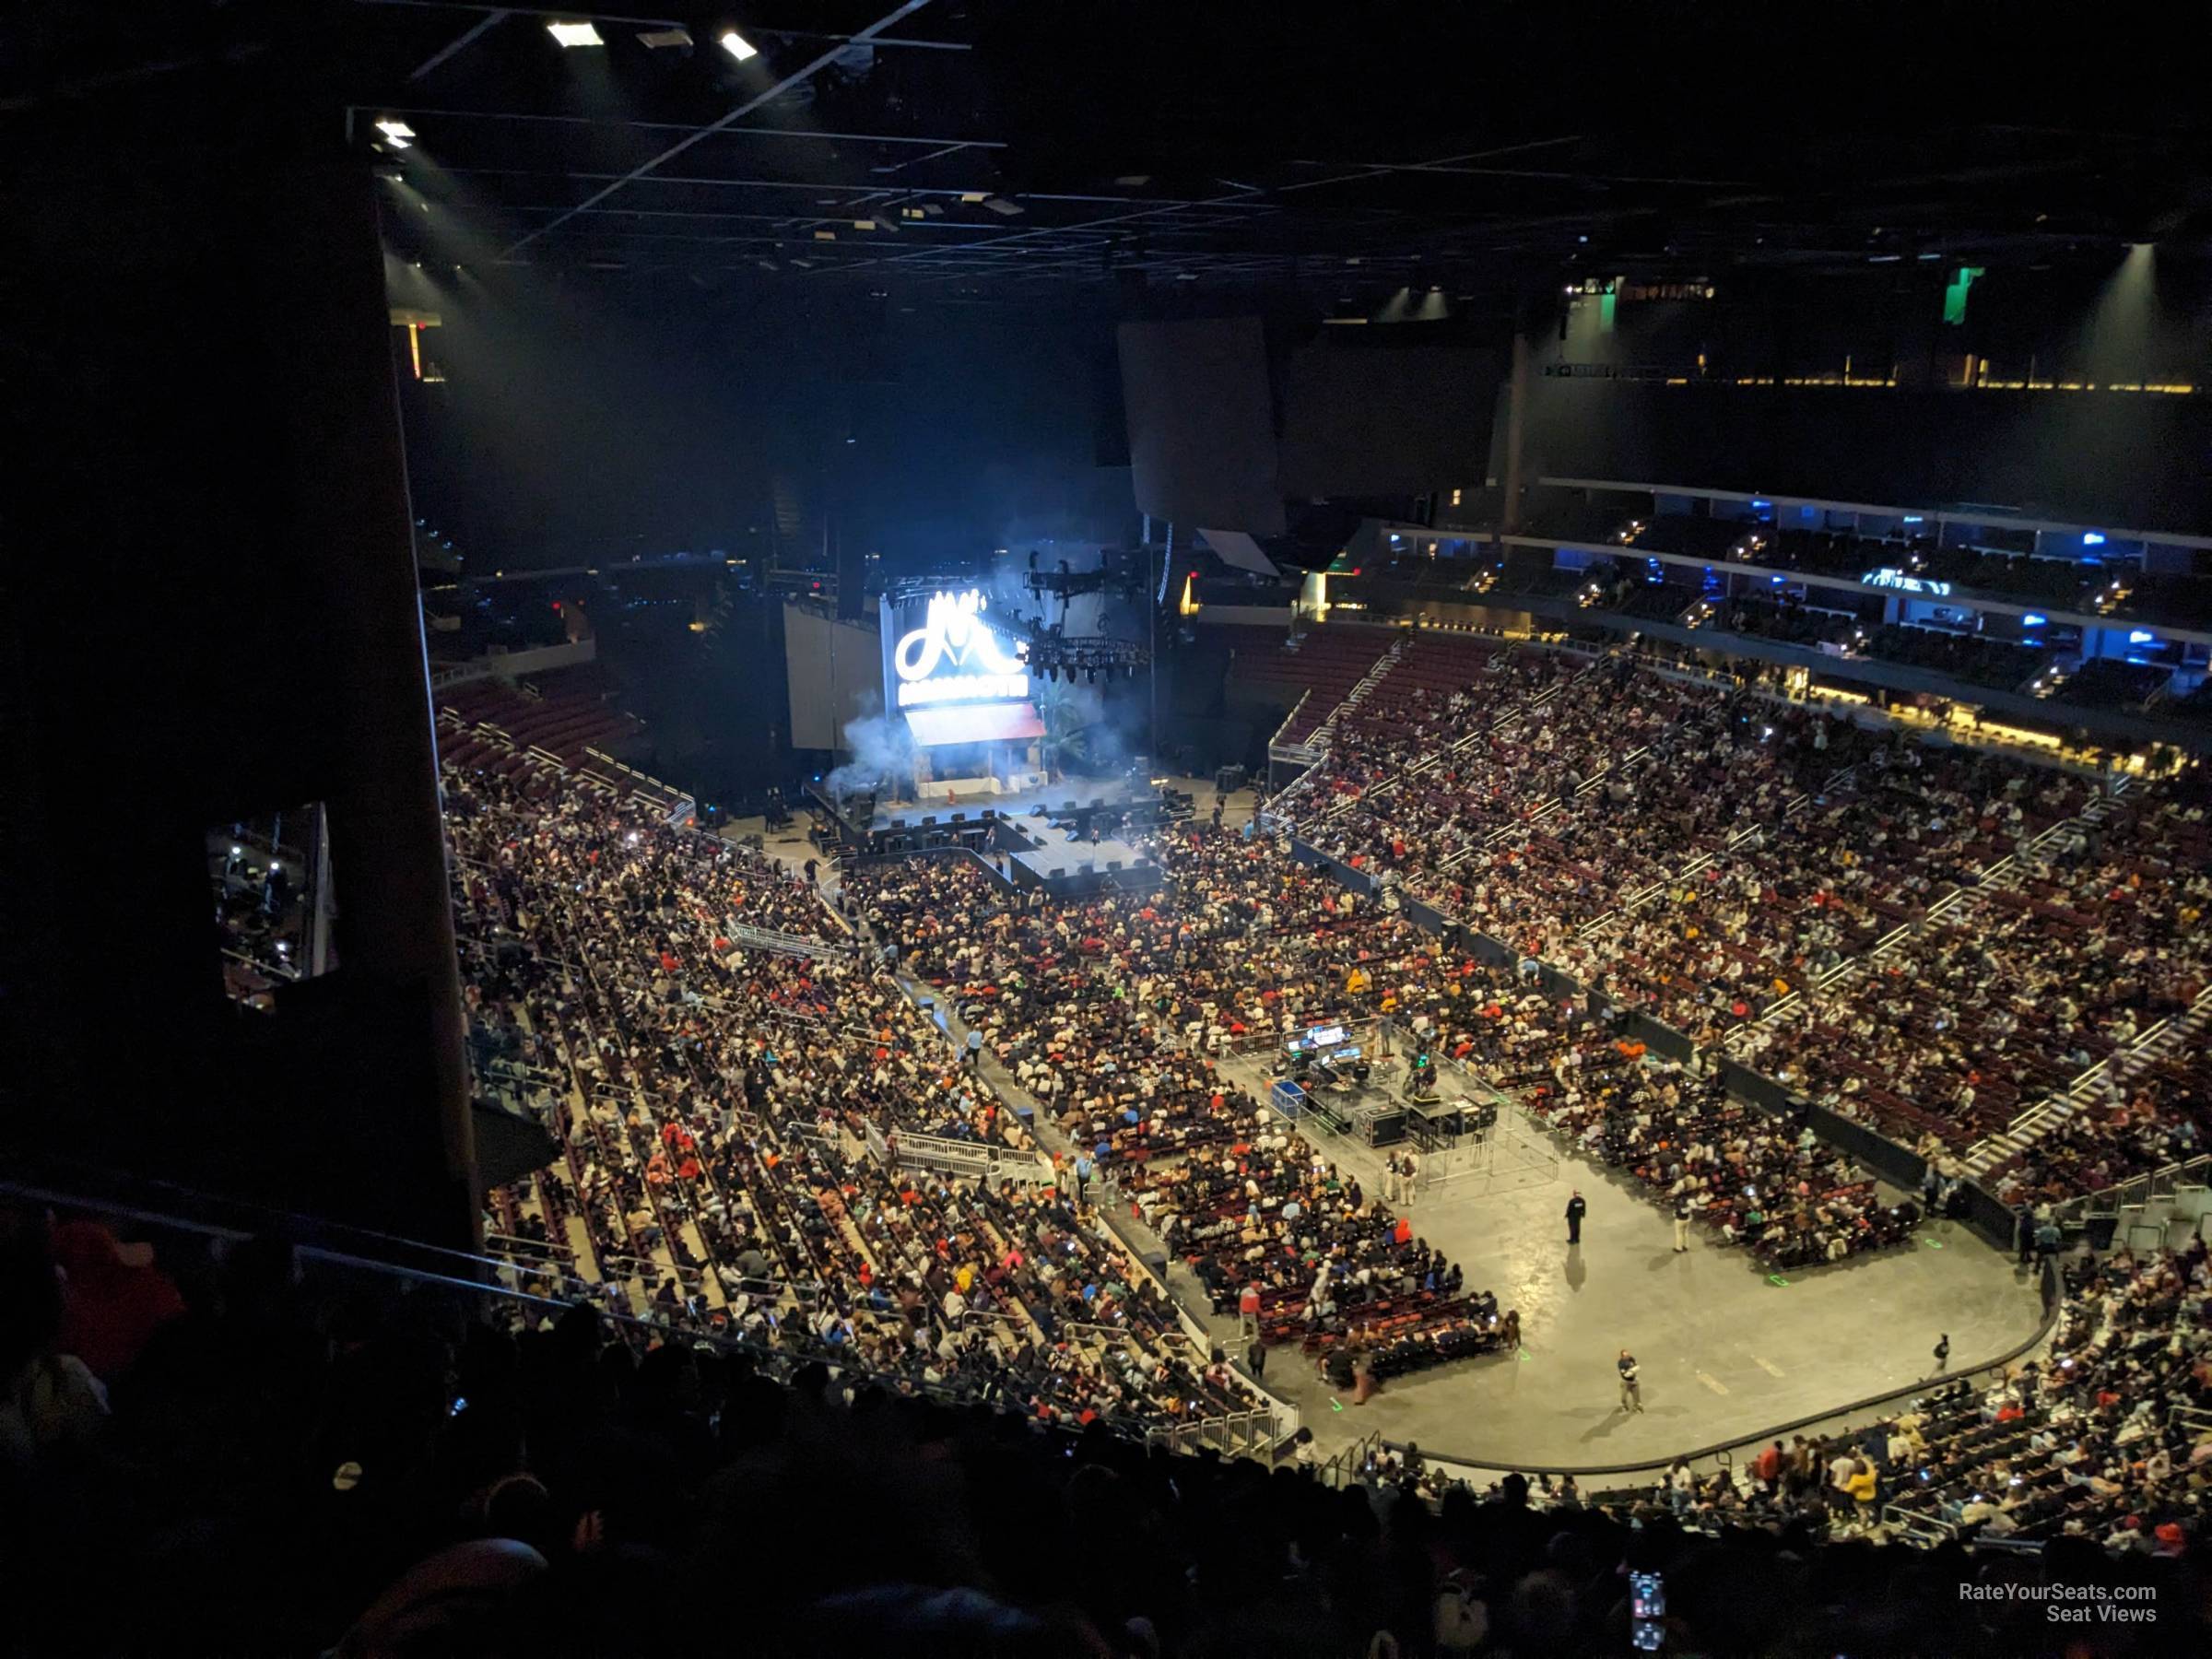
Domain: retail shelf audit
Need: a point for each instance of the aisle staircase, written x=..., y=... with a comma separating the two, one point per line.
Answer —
x=2186, y=1031
x=1537, y=814
x=1325, y=732
x=1504, y=723
x=1638, y=898
x=2001, y=875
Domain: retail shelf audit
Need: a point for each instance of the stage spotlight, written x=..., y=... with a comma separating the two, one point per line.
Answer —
x=574, y=34
x=737, y=46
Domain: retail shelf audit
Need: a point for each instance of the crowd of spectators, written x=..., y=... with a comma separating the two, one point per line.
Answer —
x=1866, y=851
x=1712, y=857
x=875, y=1409
x=2105, y=1438
x=1066, y=1012
x=1535, y=766
x=714, y=1106
x=2010, y=995
x=1111, y=1013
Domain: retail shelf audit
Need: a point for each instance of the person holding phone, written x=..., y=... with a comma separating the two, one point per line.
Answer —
x=1631, y=1389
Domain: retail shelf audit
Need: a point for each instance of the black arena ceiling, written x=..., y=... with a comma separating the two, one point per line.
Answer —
x=1033, y=149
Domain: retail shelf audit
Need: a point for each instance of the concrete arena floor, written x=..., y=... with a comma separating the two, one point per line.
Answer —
x=1723, y=1351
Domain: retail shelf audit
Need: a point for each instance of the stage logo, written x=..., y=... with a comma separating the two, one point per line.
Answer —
x=954, y=656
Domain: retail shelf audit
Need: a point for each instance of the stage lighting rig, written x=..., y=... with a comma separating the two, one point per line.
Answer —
x=1054, y=654
x=1116, y=573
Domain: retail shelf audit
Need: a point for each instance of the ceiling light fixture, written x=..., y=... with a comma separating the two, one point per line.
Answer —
x=659, y=38
x=399, y=143
x=999, y=205
x=575, y=34
x=390, y=126
x=737, y=46
x=971, y=197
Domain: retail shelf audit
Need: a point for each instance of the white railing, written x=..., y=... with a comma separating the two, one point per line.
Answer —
x=2033, y=1122
x=972, y=1160
x=1234, y=1434
x=507, y=664
x=651, y=792
x=785, y=944
x=1278, y=740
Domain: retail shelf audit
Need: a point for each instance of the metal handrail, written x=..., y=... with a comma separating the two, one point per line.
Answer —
x=2118, y=1195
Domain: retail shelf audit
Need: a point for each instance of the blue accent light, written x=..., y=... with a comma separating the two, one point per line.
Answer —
x=1775, y=580
x=2032, y=621
x=2141, y=637
x=2092, y=538
x=1915, y=518
x=1762, y=505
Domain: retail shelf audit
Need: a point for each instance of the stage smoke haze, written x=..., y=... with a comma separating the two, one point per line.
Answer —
x=882, y=749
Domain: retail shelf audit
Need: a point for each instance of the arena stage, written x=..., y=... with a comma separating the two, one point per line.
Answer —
x=1725, y=1350
x=1078, y=803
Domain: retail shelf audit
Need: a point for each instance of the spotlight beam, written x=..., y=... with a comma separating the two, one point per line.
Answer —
x=646, y=169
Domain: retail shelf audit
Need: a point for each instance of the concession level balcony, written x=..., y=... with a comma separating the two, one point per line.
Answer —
x=1989, y=558
x=1885, y=577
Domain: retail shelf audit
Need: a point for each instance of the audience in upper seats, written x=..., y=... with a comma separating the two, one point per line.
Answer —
x=1705, y=854
x=2086, y=944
